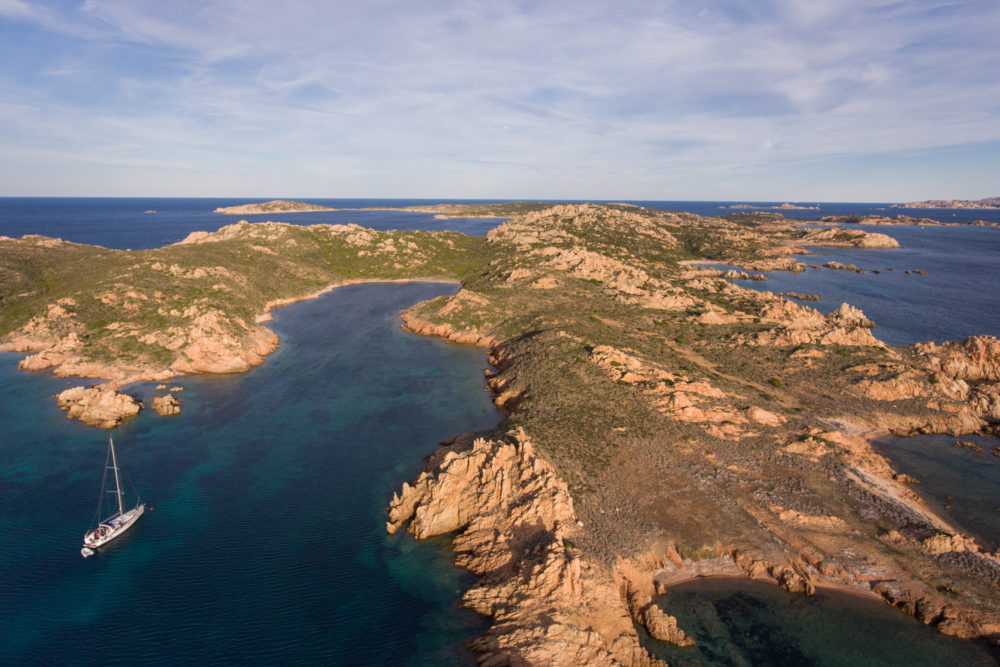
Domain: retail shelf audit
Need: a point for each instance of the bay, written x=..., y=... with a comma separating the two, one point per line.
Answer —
x=265, y=540
x=745, y=622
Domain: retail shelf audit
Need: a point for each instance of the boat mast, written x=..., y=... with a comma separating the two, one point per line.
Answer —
x=118, y=483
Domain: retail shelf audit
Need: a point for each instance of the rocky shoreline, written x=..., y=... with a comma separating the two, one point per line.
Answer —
x=106, y=406
x=150, y=328
x=816, y=539
x=515, y=524
x=662, y=422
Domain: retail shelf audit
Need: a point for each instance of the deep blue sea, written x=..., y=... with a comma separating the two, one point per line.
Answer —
x=265, y=541
x=121, y=222
x=958, y=295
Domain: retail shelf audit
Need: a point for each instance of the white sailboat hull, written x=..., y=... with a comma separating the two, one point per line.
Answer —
x=111, y=528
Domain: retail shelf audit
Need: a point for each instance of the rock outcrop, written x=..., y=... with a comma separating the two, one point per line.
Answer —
x=413, y=323
x=166, y=405
x=212, y=346
x=798, y=325
x=975, y=359
x=967, y=371
x=647, y=613
x=514, y=519
x=101, y=406
x=853, y=238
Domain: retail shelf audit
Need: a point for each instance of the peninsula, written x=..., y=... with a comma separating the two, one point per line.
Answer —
x=275, y=206
x=662, y=422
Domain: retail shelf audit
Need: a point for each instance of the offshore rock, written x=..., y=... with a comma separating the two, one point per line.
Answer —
x=101, y=406
x=167, y=405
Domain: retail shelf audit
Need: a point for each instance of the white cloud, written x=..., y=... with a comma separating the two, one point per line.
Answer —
x=484, y=94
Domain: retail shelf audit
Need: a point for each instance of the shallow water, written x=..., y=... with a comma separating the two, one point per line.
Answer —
x=744, y=622
x=959, y=483
x=265, y=540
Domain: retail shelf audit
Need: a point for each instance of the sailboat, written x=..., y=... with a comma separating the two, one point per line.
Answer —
x=121, y=520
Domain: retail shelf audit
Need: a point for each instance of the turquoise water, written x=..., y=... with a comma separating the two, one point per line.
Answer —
x=265, y=540
x=743, y=622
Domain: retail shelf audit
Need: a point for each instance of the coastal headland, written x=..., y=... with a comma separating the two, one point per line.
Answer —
x=663, y=423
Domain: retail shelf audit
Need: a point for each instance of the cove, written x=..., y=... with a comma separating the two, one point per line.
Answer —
x=266, y=540
x=745, y=622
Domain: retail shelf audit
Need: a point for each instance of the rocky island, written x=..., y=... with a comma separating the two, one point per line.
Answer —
x=988, y=202
x=663, y=423
x=275, y=206
x=780, y=207
x=872, y=219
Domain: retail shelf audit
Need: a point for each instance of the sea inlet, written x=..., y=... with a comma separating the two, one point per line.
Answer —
x=265, y=541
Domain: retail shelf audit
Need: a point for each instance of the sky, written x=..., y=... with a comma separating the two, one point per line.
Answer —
x=758, y=100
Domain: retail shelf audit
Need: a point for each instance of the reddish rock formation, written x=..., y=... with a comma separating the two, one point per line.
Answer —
x=799, y=324
x=413, y=323
x=166, y=405
x=974, y=359
x=101, y=406
x=514, y=518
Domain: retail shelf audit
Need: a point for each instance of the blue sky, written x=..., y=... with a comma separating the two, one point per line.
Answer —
x=799, y=100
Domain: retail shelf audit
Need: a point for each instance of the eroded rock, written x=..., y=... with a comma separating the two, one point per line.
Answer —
x=101, y=406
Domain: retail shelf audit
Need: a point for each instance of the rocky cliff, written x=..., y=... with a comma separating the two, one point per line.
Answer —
x=514, y=521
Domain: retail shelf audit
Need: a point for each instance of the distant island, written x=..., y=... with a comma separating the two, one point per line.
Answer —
x=781, y=207
x=988, y=202
x=872, y=219
x=662, y=422
x=275, y=206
